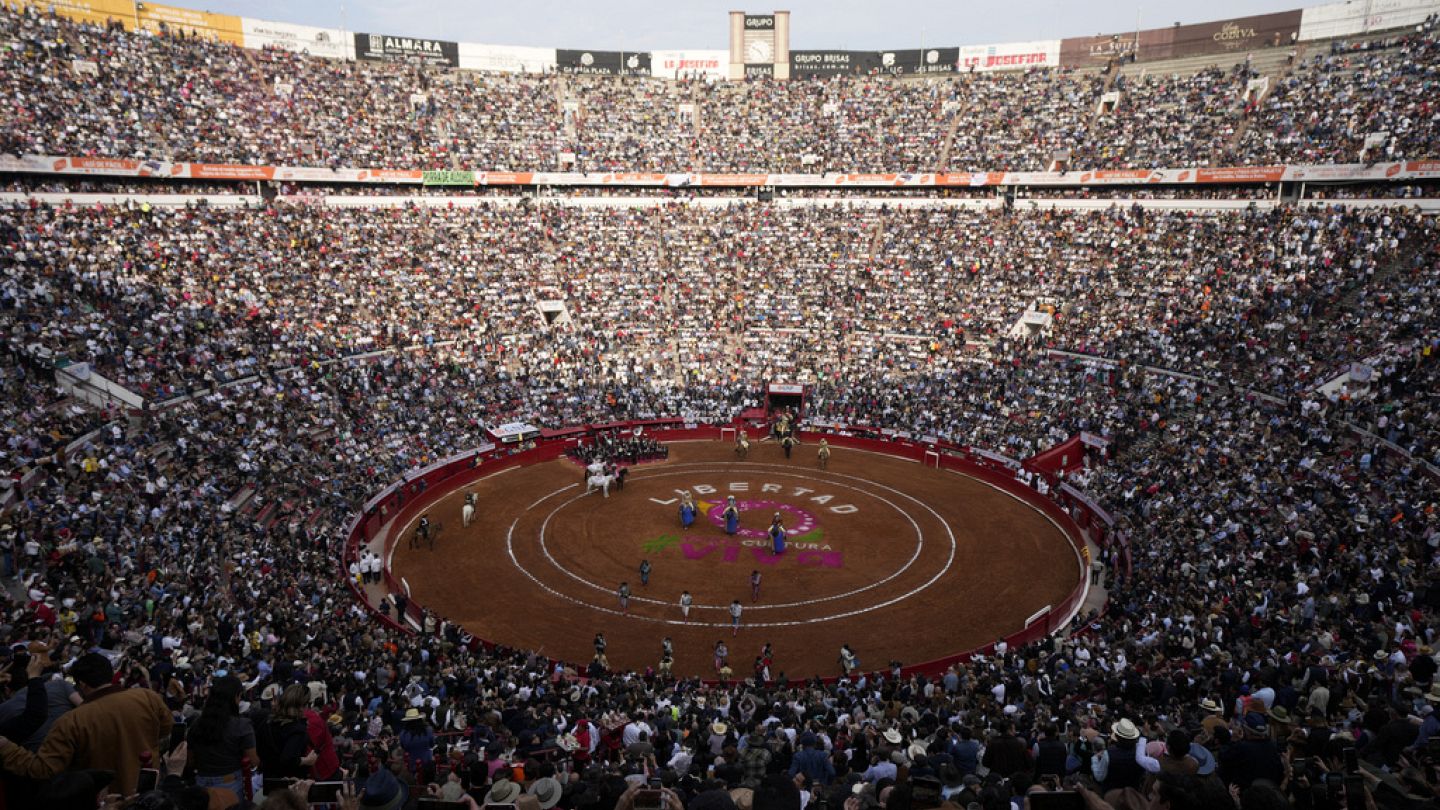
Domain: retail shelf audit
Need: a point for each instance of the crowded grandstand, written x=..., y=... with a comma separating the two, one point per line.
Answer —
x=248, y=284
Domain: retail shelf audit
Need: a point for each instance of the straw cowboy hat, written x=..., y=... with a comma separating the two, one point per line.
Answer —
x=547, y=790
x=503, y=792
x=718, y=728
x=1124, y=730
x=892, y=736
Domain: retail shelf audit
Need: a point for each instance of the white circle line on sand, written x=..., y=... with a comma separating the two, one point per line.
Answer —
x=677, y=470
x=1079, y=561
x=949, y=562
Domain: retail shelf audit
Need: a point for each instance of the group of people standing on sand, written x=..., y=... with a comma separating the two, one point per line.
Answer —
x=731, y=515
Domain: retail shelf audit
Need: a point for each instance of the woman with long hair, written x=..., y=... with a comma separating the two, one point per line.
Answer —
x=282, y=738
x=220, y=738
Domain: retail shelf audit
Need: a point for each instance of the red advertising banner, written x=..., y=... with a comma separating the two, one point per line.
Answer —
x=227, y=171
x=505, y=178
x=1423, y=168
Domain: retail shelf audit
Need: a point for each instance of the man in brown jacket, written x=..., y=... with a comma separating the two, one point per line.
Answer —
x=110, y=730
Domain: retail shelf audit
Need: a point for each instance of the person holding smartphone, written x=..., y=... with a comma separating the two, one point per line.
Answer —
x=79, y=740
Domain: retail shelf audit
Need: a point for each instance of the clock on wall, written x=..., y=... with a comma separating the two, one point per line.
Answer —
x=760, y=49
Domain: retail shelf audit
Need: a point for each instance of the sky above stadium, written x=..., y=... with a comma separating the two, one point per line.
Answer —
x=702, y=24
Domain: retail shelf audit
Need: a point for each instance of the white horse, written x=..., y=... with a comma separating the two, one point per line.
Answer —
x=600, y=482
x=467, y=513
x=742, y=445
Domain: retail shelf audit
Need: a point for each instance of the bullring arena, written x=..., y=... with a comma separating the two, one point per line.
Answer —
x=878, y=540
x=382, y=410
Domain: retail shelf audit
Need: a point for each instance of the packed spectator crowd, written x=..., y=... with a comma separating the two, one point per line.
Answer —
x=1265, y=379
x=167, y=97
x=200, y=541
x=1368, y=88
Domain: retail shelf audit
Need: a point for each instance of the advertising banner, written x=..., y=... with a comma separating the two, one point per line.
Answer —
x=1098, y=51
x=1220, y=36
x=126, y=167
x=505, y=178
x=1422, y=168
x=226, y=171
x=331, y=43
x=1348, y=18
x=388, y=176
x=447, y=177
x=689, y=64
x=759, y=22
x=386, y=48
x=1344, y=172
x=1009, y=56
x=718, y=179
x=94, y=12
x=762, y=71
x=506, y=58
x=221, y=27
x=603, y=63
x=1243, y=174
x=1240, y=34
x=919, y=61
x=832, y=63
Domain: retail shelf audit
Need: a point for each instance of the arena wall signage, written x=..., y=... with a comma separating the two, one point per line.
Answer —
x=447, y=177
x=1100, y=50
x=764, y=71
x=603, y=63
x=759, y=22
x=506, y=58
x=328, y=42
x=94, y=12
x=1009, y=56
x=1239, y=34
x=1348, y=18
x=919, y=61
x=125, y=167
x=221, y=27
x=832, y=63
x=688, y=64
x=1220, y=36
x=387, y=48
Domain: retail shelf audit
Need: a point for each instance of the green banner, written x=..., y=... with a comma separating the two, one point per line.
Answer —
x=446, y=177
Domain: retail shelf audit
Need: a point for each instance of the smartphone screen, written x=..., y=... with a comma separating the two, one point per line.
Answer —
x=325, y=792
x=649, y=799
x=1056, y=800
x=149, y=779
x=1352, y=761
x=1354, y=791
